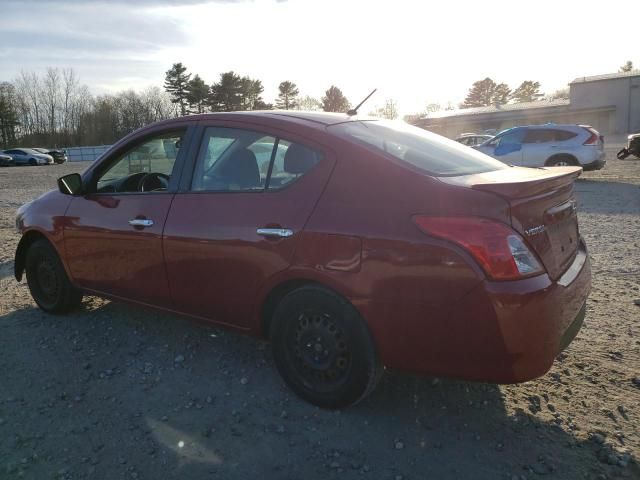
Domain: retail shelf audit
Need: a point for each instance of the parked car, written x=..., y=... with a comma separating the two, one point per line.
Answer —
x=548, y=146
x=473, y=139
x=5, y=160
x=362, y=244
x=28, y=156
x=59, y=156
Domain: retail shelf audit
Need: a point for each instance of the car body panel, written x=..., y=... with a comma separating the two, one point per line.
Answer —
x=107, y=255
x=429, y=305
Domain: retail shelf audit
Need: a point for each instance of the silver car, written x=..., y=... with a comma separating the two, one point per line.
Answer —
x=548, y=146
x=28, y=156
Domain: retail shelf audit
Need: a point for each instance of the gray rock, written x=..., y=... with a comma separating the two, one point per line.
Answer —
x=399, y=445
x=179, y=359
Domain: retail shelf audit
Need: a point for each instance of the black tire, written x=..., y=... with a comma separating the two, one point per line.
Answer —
x=33, y=162
x=561, y=161
x=323, y=349
x=48, y=282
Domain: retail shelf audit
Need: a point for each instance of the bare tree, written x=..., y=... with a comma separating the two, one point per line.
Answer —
x=51, y=97
x=69, y=91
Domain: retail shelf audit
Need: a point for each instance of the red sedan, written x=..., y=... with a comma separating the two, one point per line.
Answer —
x=352, y=244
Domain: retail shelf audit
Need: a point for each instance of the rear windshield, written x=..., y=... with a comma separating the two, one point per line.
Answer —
x=431, y=153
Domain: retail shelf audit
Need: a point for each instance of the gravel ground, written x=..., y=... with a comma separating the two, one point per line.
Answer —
x=116, y=392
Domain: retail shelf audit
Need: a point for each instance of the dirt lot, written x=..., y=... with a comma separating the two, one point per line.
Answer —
x=116, y=392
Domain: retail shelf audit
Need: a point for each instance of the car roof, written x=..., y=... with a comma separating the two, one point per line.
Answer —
x=310, y=118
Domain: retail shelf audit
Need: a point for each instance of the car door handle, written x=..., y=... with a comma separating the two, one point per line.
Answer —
x=140, y=222
x=275, y=232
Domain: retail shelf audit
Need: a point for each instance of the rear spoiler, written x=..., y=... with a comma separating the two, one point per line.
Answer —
x=517, y=182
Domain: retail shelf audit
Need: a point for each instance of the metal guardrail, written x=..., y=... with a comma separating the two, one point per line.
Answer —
x=84, y=154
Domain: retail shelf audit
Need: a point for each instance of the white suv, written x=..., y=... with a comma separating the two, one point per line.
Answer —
x=548, y=146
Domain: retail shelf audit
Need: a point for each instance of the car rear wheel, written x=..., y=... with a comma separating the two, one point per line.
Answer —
x=33, y=162
x=323, y=349
x=561, y=161
x=48, y=282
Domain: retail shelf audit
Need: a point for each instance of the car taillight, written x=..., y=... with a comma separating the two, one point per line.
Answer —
x=594, y=137
x=501, y=251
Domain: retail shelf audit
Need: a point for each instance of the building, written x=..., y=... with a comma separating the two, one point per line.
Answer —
x=610, y=103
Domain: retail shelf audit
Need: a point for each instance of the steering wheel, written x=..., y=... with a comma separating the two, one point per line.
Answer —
x=153, y=181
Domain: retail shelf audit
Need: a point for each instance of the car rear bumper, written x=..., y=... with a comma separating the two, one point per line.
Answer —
x=595, y=165
x=501, y=332
x=593, y=159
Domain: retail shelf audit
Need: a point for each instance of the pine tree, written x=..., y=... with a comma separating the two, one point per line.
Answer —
x=288, y=96
x=528, y=91
x=486, y=92
x=226, y=95
x=251, y=94
x=197, y=93
x=176, y=82
x=501, y=94
x=335, y=101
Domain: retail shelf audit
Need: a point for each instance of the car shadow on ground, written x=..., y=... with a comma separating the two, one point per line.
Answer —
x=120, y=392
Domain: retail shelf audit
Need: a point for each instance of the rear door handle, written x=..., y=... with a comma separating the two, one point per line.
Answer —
x=275, y=232
x=140, y=222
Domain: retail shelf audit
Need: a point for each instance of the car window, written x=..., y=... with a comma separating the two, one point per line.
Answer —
x=539, y=135
x=233, y=159
x=144, y=168
x=512, y=137
x=427, y=151
x=292, y=161
x=562, y=135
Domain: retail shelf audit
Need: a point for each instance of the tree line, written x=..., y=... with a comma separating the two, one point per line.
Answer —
x=54, y=109
x=232, y=92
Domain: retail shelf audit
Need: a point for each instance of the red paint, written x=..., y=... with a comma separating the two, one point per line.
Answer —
x=428, y=303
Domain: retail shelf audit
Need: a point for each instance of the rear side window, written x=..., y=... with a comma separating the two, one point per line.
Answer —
x=562, y=135
x=431, y=153
x=539, y=135
x=233, y=159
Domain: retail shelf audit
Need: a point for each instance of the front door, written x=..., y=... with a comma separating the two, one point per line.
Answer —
x=113, y=235
x=250, y=195
x=506, y=147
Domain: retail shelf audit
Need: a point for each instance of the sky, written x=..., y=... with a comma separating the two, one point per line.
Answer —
x=414, y=52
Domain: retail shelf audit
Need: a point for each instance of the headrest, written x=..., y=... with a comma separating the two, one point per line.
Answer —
x=299, y=159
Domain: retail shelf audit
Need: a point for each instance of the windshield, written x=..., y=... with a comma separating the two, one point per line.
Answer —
x=431, y=153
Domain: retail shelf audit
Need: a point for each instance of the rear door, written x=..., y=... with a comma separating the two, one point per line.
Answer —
x=113, y=235
x=538, y=146
x=237, y=220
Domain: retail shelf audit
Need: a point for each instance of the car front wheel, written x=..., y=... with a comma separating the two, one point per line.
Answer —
x=323, y=349
x=48, y=282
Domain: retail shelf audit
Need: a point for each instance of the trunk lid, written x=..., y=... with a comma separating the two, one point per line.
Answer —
x=542, y=205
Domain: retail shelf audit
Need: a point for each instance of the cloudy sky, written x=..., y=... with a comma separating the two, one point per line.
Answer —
x=415, y=52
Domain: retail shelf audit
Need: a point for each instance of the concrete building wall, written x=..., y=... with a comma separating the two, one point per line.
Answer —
x=614, y=91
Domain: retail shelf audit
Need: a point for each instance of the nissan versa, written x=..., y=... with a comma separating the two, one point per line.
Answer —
x=352, y=244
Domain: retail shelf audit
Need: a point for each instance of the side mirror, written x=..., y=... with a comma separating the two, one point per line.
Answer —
x=70, y=184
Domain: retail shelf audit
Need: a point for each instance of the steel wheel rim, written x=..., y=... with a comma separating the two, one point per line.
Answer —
x=320, y=350
x=47, y=281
